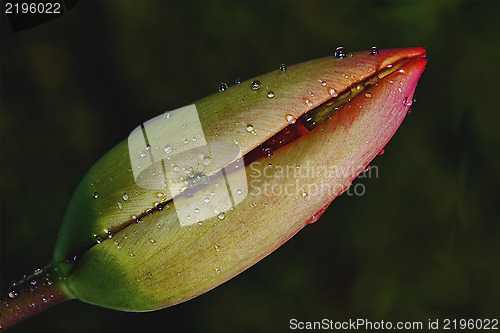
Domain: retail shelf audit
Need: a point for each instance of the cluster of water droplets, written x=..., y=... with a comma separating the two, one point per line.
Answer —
x=40, y=279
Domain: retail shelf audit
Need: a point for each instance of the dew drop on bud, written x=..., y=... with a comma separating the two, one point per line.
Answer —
x=237, y=80
x=381, y=152
x=143, y=154
x=168, y=149
x=291, y=119
x=407, y=102
x=249, y=128
x=125, y=196
x=206, y=160
x=223, y=86
x=12, y=294
x=221, y=216
x=283, y=67
x=340, y=52
x=268, y=152
x=374, y=51
x=96, y=195
x=308, y=102
x=256, y=85
x=270, y=94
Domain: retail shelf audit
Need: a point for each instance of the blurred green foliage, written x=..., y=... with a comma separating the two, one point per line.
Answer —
x=421, y=243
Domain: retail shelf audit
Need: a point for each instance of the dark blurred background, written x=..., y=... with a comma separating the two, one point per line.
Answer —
x=421, y=243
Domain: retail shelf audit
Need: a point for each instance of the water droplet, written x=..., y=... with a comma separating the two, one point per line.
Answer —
x=221, y=216
x=323, y=83
x=249, y=128
x=217, y=270
x=310, y=93
x=33, y=282
x=286, y=131
x=207, y=200
x=96, y=195
x=400, y=90
x=368, y=95
x=132, y=254
x=333, y=92
x=270, y=94
x=186, y=141
x=150, y=276
x=148, y=147
x=237, y=80
x=44, y=300
x=168, y=149
x=238, y=191
x=256, y=85
x=223, y=86
x=308, y=102
x=143, y=154
x=217, y=248
x=50, y=282
x=291, y=119
x=37, y=271
x=125, y=196
x=120, y=205
x=407, y=102
x=268, y=152
x=340, y=52
x=12, y=294
x=283, y=67
x=381, y=152
x=153, y=242
x=206, y=160
x=167, y=115
x=196, y=210
x=176, y=168
x=374, y=51
x=305, y=194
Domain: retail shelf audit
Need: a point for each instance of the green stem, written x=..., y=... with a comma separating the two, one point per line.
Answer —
x=30, y=296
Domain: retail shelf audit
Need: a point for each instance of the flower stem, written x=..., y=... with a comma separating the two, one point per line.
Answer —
x=30, y=296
